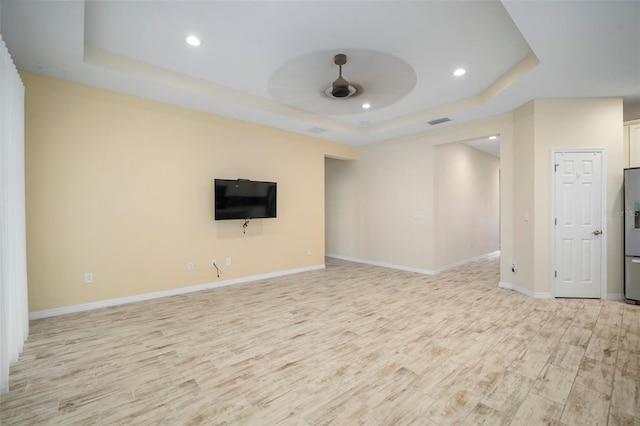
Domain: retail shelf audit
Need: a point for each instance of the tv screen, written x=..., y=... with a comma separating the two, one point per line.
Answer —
x=244, y=199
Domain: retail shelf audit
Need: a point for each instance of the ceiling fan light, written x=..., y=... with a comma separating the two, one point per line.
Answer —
x=340, y=91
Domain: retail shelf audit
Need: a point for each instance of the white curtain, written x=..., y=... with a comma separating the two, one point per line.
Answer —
x=14, y=310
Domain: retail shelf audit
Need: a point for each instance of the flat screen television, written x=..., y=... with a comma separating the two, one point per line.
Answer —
x=244, y=199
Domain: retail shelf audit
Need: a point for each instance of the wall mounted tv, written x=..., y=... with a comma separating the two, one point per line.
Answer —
x=244, y=199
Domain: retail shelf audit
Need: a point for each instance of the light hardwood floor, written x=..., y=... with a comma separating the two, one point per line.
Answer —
x=352, y=344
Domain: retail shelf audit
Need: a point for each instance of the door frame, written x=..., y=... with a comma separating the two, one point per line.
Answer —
x=603, y=240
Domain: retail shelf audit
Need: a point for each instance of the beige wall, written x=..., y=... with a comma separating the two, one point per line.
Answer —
x=392, y=235
x=379, y=194
x=371, y=204
x=544, y=125
x=341, y=206
x=578, y=123
x=466, y=190
x=523, y=199
x=122, y=187
x=395, y=182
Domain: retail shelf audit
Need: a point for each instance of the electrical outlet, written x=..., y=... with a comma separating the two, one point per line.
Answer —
x=190, y=266
x=308, y=252
x=228, y=261
x=88, y=278
x=514, y=268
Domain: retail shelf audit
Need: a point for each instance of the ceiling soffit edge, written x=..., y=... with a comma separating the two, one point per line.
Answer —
x=121, y=63
x=516, y=72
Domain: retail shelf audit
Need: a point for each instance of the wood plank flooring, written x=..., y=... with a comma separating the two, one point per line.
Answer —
x=352, y=344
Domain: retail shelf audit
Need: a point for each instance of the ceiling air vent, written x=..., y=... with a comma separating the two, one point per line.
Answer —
x=438, y=121
x=316, y=130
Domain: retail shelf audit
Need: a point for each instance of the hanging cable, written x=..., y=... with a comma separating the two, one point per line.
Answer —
x=218, y=272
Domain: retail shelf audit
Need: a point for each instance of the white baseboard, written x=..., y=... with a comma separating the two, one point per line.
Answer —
x=485, y=256
x=384, y=265
x=522, y=290
x=164, y=293
x=502, y=284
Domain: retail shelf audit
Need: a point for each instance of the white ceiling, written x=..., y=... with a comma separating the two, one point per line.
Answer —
x=487, y=145
x=270, y=62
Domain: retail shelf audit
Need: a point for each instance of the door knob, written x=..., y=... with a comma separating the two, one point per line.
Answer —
x=597, y=232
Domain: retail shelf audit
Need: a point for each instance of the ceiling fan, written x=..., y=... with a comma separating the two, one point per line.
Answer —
x=341, y=88
x=308, y=82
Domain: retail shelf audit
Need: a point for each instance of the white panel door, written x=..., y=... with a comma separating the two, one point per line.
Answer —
x=578, y=224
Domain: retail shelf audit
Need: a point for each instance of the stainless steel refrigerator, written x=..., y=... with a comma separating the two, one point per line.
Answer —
x=632, y=235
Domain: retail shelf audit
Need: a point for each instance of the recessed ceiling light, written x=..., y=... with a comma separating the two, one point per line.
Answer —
x=493, y=137
x=193, y=40
x=366, y=106
x=459, y=72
